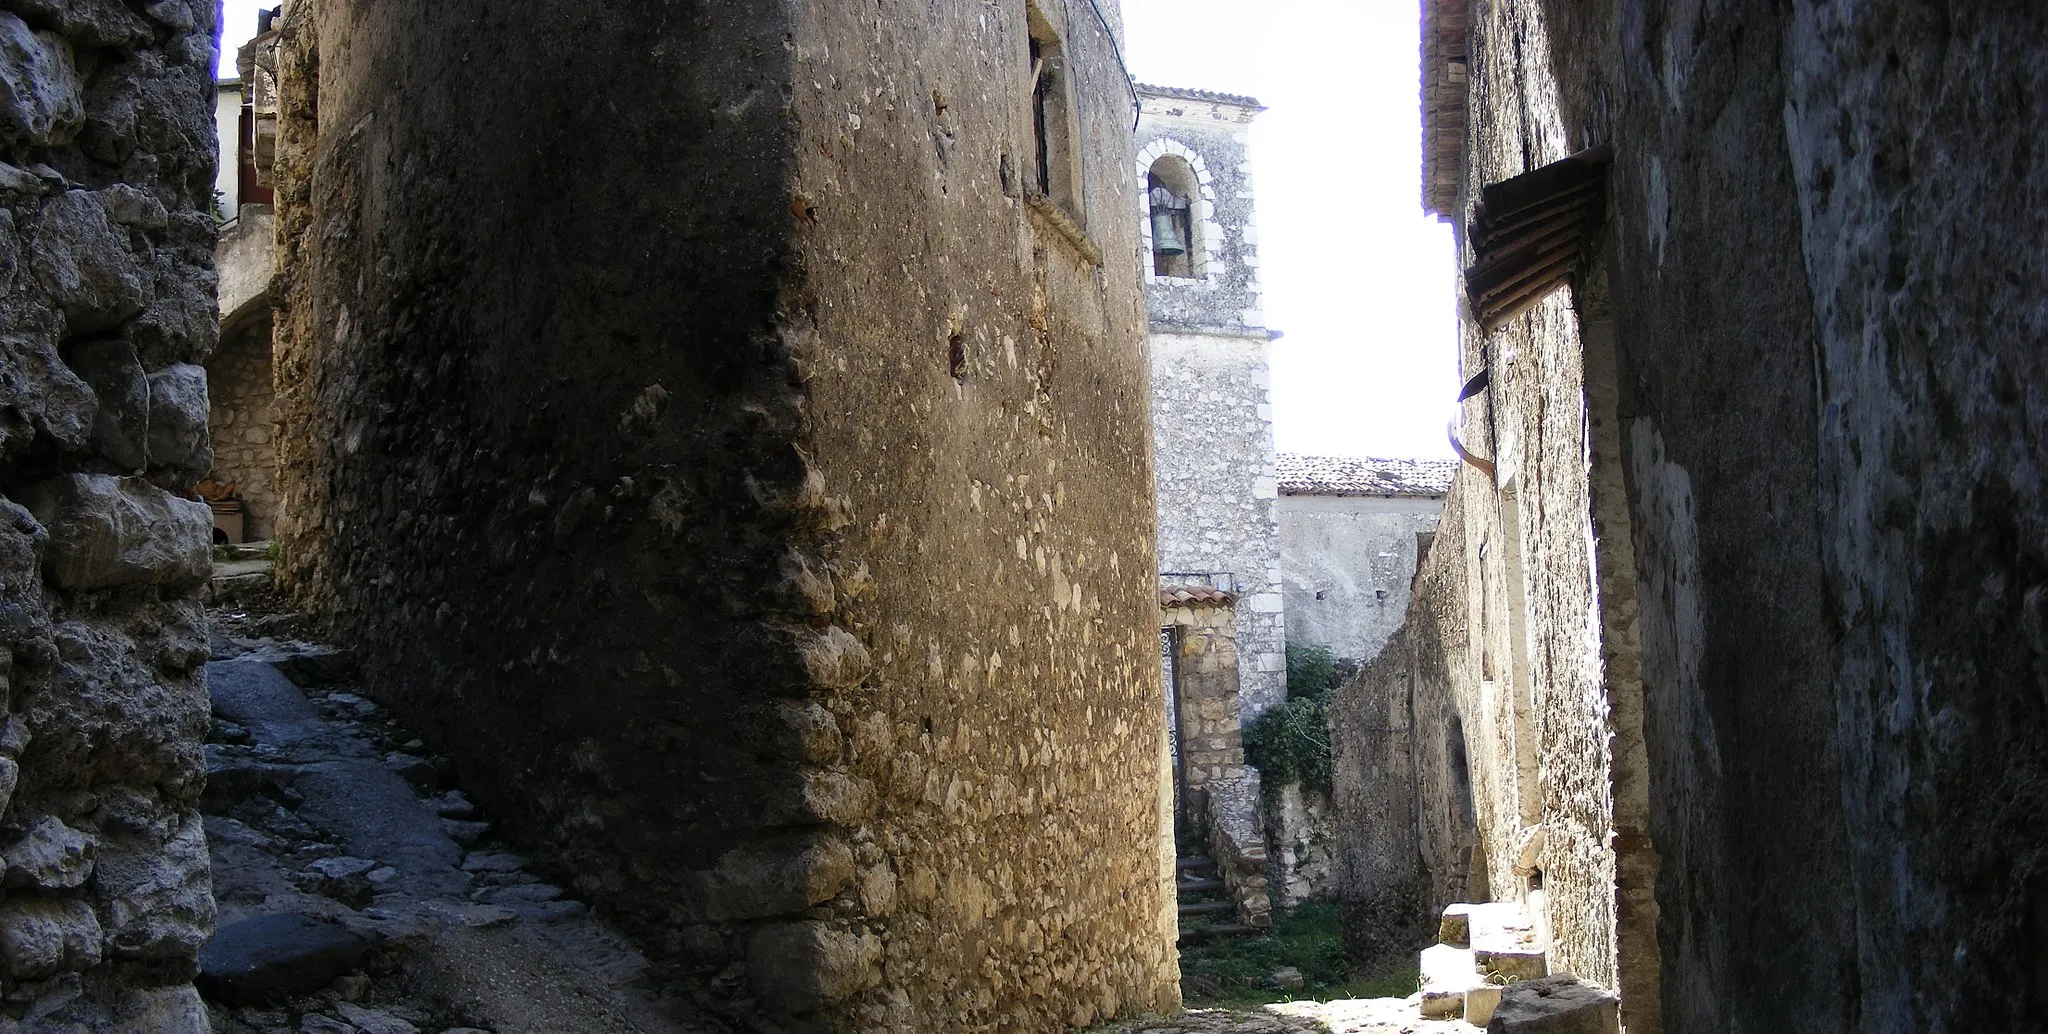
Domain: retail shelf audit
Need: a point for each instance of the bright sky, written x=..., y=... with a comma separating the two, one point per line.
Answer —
x=1355, y=275
x=237, y=24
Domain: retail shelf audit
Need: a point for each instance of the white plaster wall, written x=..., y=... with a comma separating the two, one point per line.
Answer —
x=1348, y=563
x=1213, y=442
x=227, y=120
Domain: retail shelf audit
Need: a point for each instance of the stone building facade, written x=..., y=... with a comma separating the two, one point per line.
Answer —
x=1213, y=416
x=1351, y=533
x=1746, y=583
x=1216, y=796
x=757, y=516
x=243, y=416
x=240, y=372
x=106, y=312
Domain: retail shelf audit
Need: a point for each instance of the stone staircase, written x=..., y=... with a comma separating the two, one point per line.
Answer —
x=1482, y=948
x=1206, y=906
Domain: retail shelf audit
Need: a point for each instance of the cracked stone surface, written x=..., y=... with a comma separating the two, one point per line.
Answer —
x=319, y=807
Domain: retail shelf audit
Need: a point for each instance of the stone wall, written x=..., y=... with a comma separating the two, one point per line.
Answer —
x=1419, y=808
x=106, y=308
x=1213, y=436
x=1348, y=562
x=244, y=421
x=1783, y=589
x=1301, y=843
x=239, y=374
x=1206, y=665
x=756, y=515
x=1237, y=842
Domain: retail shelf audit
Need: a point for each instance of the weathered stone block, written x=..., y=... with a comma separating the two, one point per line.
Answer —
x=39, y=88
x=1480, y=1002
x=98, y=23
x=1455, y=929
x=1508, y=963
x=107, y=531
x=803, y=967
x=835, y=659
x=1559, y=1004
x=130, y=206
x=120, y=427
x=22, y=543
x=268, y=957
x=773, y=878
x=85, y=263
x=835, y=797
x=40, y=937
x=10, y=242
x=40, y=395
x=158, y=894
x=49, y=856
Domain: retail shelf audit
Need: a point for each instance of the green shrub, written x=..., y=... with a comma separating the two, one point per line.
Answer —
x=1311, y=671
x=1291, y=744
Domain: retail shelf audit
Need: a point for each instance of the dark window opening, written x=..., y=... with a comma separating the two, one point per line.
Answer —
x=249, y=189
x=1041, y=95
x=1055, y=169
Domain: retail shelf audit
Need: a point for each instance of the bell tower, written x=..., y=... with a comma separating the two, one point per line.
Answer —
x=1212, y=412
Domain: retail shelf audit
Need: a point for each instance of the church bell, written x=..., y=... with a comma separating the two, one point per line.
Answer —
x=1166, y=235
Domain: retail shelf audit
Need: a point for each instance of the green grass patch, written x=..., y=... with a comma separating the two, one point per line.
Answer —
x=1239, y=970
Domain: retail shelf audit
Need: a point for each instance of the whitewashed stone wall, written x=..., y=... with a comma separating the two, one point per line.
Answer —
x=1212, y=410
x=1349, y=562
x=1212, y=435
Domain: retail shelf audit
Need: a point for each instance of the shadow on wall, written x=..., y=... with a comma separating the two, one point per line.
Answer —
x=1406, y=815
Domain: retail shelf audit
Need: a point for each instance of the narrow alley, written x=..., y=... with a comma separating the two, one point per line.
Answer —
x=765, y=517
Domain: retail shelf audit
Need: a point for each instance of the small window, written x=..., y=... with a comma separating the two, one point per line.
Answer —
x=1054, y=164
x=1172, y=192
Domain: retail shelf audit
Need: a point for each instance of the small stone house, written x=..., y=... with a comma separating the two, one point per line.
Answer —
x=1351, y=533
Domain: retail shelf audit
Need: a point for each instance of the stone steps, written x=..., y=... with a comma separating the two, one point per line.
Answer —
x=1203, y=893
x=1216, y=930
x=1482, y=948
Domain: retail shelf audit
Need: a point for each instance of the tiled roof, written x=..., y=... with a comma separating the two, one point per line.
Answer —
x=1444, y=60
x=1200, y=95
x=1194, y=596
x=1352, y=475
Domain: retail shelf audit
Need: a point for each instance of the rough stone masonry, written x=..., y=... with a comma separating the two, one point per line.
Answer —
x=727, y=436
x=1739, y=645
x=106, y=310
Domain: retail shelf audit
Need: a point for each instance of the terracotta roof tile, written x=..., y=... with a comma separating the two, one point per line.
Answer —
x=1353, y=475
x=1242, y=101
x=1194, y=596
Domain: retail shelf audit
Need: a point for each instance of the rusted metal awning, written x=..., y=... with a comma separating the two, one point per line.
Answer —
x=1527, y=234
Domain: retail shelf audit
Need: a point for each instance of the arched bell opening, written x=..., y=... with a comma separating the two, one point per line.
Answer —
x=1173, y=192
